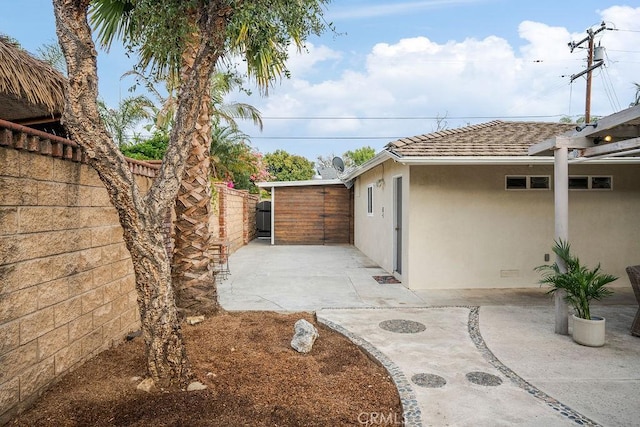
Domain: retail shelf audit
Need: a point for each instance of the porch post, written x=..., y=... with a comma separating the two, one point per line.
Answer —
x=561, y=201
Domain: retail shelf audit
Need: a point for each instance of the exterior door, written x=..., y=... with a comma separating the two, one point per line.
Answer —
x=397, y=224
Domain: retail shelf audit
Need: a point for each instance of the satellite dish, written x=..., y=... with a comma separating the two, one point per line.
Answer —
x=338, y=164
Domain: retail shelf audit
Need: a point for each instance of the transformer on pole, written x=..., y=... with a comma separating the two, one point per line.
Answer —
x=595, y=59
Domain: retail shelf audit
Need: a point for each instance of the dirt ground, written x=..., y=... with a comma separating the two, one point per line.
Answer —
x=254, y=378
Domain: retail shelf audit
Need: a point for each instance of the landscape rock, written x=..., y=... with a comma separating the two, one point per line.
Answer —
x=146, y=385
x=195, y=386
x=304, y=337
x=194, y=320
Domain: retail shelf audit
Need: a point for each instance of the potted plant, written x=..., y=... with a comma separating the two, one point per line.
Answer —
x=581, y=286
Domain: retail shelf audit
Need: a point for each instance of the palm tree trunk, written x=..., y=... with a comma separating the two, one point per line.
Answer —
x=192, y=268
x=193, y=275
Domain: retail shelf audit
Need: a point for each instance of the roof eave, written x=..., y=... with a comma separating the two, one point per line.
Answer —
x=304, y=183
x=378, y=159
x=480, y=161
x=473, y=160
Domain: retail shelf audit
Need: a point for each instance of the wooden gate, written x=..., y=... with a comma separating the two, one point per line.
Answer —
x=313, y=215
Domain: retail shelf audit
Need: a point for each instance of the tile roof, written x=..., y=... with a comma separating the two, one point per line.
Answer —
x=495, y=138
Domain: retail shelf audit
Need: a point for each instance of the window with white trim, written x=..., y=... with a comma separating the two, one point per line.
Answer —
x=543, y=182
x=586, y=182
x=370, y=200
x=527, y=182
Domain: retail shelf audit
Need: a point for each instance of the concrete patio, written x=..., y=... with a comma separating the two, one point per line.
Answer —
x=459, y=357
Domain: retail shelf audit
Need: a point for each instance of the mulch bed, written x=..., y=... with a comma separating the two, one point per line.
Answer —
x=254, y=378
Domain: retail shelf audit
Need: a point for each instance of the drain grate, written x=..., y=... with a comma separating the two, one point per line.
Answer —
x=386, y=279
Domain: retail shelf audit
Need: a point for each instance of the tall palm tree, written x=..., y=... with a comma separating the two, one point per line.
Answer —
x=261, y=32
x=140, y=214
x=122, y=120
x=168, y=31
x=227, y=151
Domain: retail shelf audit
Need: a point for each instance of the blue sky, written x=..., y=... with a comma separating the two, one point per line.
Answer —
x=396, y=66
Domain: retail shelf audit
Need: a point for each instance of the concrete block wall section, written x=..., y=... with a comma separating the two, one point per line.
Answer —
x=67, y=288
x=236, y=219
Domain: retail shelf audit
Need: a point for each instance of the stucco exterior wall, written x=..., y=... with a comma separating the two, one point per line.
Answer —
x=373, y=234
x=467, y=231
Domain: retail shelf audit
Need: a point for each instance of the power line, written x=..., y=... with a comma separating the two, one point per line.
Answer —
x=328, y=137
x=408, y=117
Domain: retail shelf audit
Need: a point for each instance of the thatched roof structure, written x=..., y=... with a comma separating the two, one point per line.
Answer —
x=31, y=91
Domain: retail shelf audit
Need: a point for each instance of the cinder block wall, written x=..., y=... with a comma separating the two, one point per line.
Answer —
x=67, y=288
x=236, y=219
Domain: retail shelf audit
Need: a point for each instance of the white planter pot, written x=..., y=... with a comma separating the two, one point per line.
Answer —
x=589, y=332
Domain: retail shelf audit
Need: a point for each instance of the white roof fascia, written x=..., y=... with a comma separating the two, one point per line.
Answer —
x=505, y=160
x=475, y=160
x=379, y=158
x=306, y=183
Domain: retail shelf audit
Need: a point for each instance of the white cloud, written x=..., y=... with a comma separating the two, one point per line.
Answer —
x=476, y=79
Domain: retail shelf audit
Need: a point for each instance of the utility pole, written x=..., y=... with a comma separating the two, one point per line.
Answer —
x=590, y=65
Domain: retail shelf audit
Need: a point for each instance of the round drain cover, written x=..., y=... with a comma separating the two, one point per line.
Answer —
x=483, y=378
x=402, y=326
x=428, y=380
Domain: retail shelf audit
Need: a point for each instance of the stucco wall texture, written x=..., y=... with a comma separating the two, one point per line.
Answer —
x=462, y=229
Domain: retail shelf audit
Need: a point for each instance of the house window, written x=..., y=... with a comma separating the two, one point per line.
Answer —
x=590, y=183
x=601, y=183
x=516, y=183
x=578, y=183
x=539, y=182
x=527, y=182
x=370, y=200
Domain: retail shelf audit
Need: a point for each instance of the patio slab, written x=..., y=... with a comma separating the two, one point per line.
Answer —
x=500, y=338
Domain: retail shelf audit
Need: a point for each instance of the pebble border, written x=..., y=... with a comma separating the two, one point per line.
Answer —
x=562, y=409
x=411, y=414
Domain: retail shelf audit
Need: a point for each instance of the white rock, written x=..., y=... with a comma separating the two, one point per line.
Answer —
x=146, y=385
x=195, y=386
x=194, y=320
x=305, y=336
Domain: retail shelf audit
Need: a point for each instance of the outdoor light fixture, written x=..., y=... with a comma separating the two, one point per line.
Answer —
x=580, y=128
x=599, y=139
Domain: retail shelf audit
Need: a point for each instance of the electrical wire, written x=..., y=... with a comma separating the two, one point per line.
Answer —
x=547, y=116
x=610, y=89
x=570, y=96
x=625, y=31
